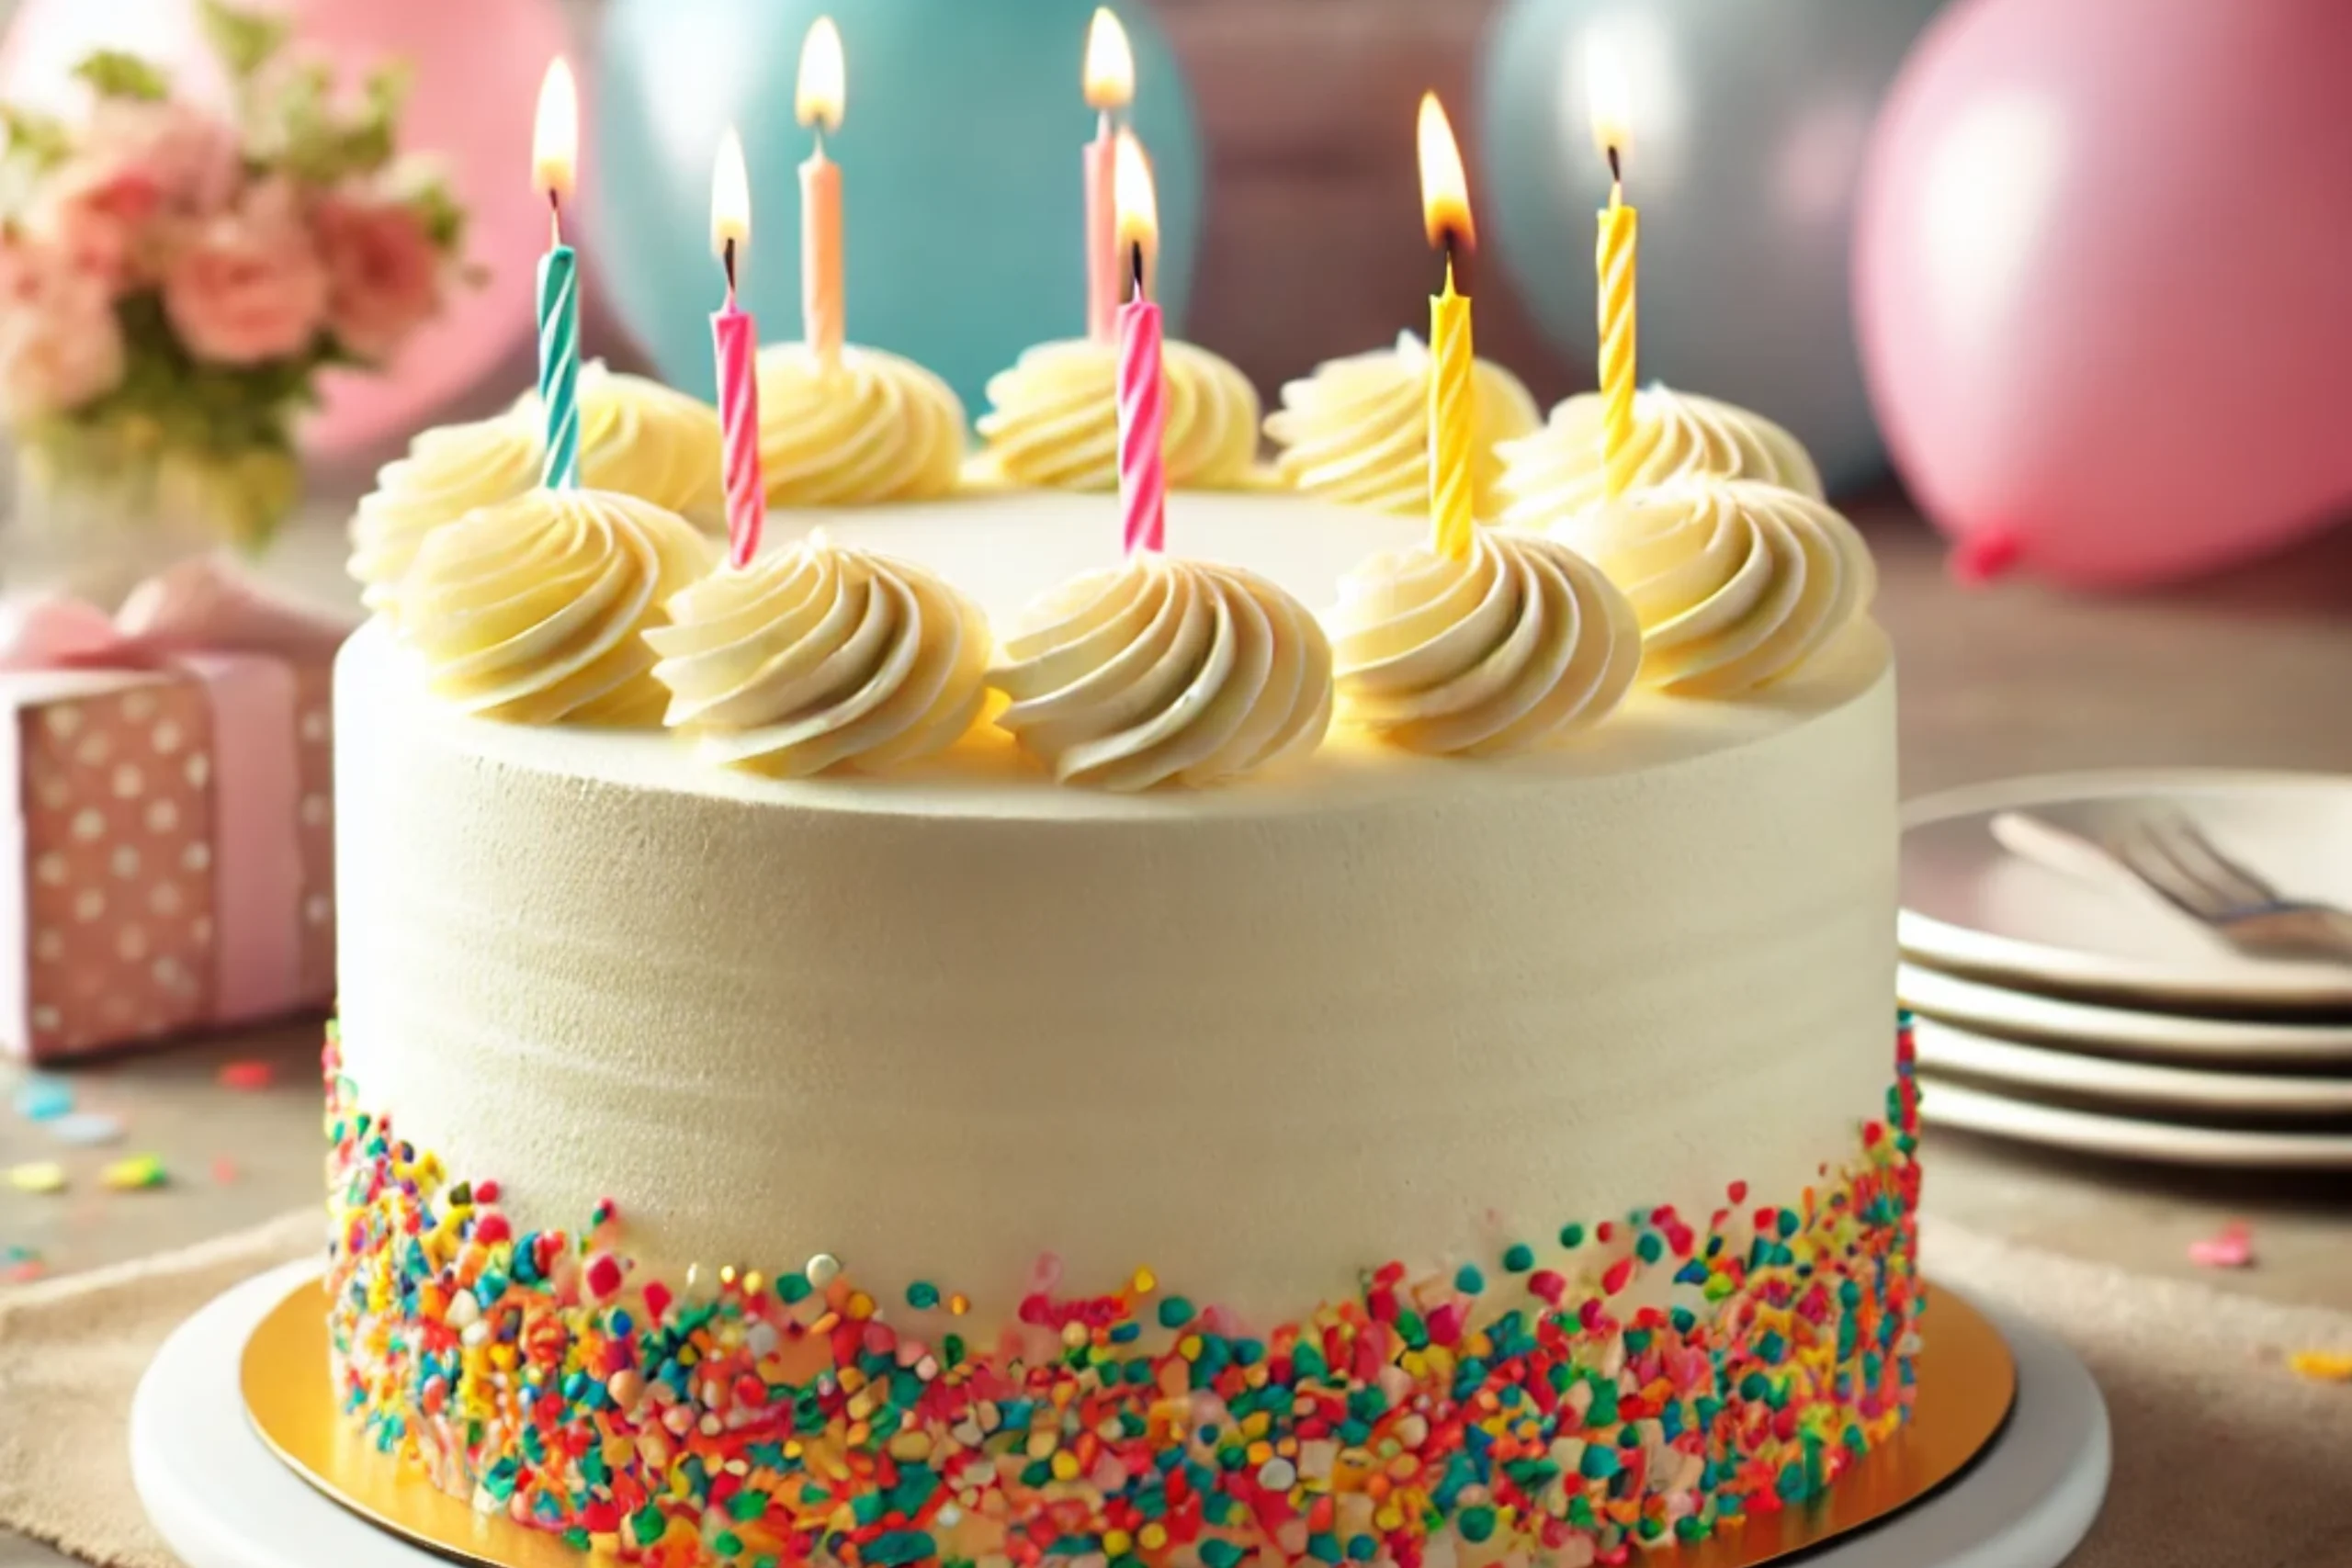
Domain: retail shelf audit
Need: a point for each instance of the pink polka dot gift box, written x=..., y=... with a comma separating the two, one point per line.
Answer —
x=166, y=862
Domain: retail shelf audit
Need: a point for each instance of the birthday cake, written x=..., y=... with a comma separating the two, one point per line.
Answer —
x=1253, y=1022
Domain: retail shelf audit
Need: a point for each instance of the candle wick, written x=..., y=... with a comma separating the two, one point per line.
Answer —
x=555, y=217
x=819, y=127
x=1616, y=170
x=1136, y=265
x=727, y=259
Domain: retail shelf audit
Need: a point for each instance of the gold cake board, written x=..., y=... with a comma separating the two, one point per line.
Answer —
x=1967, y=1378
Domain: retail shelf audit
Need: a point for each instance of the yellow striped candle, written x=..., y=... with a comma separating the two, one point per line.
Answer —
x=1454, y=392
x=1614, y=255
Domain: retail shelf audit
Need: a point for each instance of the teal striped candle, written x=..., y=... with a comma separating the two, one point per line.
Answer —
x=559, y=364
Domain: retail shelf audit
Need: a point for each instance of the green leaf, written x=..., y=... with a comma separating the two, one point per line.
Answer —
x=116, y=73
x=442, y=214
x=245, y=40
x=35, y=138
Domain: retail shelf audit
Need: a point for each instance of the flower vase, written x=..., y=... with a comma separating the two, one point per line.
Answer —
x=95, y=513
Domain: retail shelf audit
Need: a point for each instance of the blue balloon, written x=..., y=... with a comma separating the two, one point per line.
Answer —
x=961, y=202
x=1749, y=123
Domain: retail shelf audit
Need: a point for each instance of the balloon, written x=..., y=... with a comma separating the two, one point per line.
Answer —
x=961, y=171
x=2102, y=284
x=1748, y=123
x=477, y=65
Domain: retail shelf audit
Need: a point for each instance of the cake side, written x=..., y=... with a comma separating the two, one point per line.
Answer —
x=779, y=1019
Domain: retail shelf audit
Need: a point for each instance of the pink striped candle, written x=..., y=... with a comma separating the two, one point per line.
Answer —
x=735, y=343
x=1143, y=423
x=736, y=338
x=1143, y=385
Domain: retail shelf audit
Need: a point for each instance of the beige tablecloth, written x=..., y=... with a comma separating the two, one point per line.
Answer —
x=2223, y=1459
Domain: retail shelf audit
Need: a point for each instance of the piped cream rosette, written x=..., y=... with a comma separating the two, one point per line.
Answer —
x=534, y=610
x=819, y=657
x=637, y=437
x=1165, y=671
x=1556, y=472
x=1357, y=431
x=875, y=428
x=1053, y=420
x=1737, y=583
x=1517, y=645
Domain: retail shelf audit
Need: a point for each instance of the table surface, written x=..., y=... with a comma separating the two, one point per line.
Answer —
x=2245, y=671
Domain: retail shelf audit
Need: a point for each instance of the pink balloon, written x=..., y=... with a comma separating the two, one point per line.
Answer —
x=477, y=66
x=2103, y=281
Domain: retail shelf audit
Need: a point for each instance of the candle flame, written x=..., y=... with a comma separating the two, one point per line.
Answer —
x=555, y=133
x=1110, y=63
x=1445, y=189
x=730, y=196
x=1131, y=183
x=824, y=81
x=1606, y=90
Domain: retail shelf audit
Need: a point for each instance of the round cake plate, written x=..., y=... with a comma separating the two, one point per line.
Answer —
x=2161, y=1090
x=222, y=1498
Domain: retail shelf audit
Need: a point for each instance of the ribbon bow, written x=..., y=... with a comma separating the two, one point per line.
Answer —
x=207, y=620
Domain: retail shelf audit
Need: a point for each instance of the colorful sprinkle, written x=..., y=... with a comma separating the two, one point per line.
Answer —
x=37, y=1177
x=87, y=1129
x=2232, y=1247
x=2320, y=1365
x=41, y=1097
x=247, y=1077
x=1579, y=1421
x=137, y=1174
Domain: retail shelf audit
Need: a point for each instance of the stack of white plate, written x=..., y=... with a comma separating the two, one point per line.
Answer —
x=2082, y=1010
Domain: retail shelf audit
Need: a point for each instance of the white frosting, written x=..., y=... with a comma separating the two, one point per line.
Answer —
x=1517, y=644
x=816, y=657
x=1371, y=1005
x=1165, y=671
x=1736, y=582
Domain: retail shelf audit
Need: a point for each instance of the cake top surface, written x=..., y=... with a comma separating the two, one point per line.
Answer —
x=1005, y=549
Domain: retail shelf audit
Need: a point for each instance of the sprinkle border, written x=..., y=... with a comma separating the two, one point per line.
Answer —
x=757, y=1423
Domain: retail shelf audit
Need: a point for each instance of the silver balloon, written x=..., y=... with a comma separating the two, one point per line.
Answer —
x=1748, y=120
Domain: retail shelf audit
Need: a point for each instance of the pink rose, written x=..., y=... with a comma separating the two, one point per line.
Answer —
x=102, y=218
x=383, y=275
x=59, y=345
x=190, y=157
x=248, y=287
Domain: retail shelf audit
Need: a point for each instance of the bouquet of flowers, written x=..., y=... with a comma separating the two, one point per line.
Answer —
x=172, y=280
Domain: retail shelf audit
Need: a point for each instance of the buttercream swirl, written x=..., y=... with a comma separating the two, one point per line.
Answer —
x=1165, y=671
x=819, y=657
x=1357, y=430
x=1522, y=642
x=1556, y=472
x=1053, y=420
x=638, y=438
x=532, y=610
x=1736, y=582
x=875, y=428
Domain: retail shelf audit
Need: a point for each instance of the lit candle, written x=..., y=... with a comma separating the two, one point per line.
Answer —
x=819, y=102
x=1454, y=392
x=1143, y=386
x=736, y=338
x=1110, y=84
x=1613, y=265
x=555, y=142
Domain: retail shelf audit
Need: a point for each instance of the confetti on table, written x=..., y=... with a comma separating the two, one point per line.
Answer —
x=137, y=1172
x=2232, y=1248
x=2321, y=1366
x=87, y=1129
x=37, y=1177
x=225, y=1170
x=248, y=1075
x=40, y=1098
x=18, y=1264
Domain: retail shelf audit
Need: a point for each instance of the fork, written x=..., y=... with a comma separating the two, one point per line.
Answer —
x=2172, y=857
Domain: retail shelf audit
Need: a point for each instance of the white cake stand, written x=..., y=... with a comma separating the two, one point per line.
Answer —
x=222, y=1500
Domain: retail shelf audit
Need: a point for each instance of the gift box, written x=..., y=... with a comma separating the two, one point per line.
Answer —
x=167, y=862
